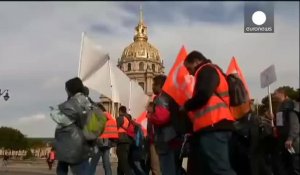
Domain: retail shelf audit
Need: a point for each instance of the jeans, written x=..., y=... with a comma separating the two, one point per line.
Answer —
x=136, y=158
x=137, y=168
x=104, y=153
x=76, y=169
x=168, y=163
x=123, y=150
x=212, y=153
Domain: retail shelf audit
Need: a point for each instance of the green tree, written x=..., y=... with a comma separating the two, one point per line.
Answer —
x=12, y=139
x=37, y=144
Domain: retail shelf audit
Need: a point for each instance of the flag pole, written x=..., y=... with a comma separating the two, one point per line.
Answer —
x=129, y=104
x=257, y=103
x=270, y=105
x=80, y=54
x=112, y=90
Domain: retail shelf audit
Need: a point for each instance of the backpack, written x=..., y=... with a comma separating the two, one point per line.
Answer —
x=94, y=123
x=238, y=96
x=239, y=99
x=135, y=131
x=139, y=136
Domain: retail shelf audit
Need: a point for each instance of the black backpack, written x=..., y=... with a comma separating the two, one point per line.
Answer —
x=238, y=96
x=239, y=99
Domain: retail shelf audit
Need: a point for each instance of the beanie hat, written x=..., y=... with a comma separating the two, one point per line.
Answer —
x=74, y=86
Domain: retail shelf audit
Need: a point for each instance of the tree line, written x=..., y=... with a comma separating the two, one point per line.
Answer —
x=264, y=105
x=13, y=140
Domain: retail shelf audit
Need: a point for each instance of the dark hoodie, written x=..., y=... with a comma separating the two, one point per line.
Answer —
x=207, y=82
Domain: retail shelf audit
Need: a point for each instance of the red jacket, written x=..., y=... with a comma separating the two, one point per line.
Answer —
x=161, y=114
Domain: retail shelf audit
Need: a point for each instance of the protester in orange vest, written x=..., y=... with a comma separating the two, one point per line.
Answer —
x=123, y=146
x=111, y=129
x=104, y=144
x=209, y=112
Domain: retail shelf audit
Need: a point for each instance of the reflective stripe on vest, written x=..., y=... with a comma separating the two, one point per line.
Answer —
x=110, y=130
x=217, y=107
x=125, y=125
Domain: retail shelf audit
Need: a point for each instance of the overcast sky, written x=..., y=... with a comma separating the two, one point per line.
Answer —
x=40, y=45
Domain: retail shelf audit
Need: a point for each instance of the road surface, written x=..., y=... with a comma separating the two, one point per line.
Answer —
x=40, y=169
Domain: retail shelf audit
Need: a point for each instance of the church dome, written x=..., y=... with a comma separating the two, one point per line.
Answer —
x=140, y=49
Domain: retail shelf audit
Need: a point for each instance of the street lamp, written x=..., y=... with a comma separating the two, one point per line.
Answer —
x=6, y=96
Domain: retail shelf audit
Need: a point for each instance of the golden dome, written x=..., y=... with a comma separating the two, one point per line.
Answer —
x=140, y=49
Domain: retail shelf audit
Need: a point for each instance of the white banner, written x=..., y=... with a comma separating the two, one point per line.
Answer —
x=98, y=74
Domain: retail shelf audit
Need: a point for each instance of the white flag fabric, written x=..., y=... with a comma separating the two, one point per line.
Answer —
x=137, y=100
x=93, y=57
x=98, y=74
x=94, y=68
x=121, y=85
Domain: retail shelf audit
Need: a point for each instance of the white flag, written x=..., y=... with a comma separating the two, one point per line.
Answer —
x=98, y=74
x=137, y=100
x=94, y=68
x=92, y=58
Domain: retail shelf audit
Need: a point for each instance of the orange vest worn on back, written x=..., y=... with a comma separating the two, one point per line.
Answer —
x=111, y=129
x=216, y=109
x=124, y=127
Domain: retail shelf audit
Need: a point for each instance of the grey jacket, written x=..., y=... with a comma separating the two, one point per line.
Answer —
x=75, y=108
x=70, y=143
x=290, y=128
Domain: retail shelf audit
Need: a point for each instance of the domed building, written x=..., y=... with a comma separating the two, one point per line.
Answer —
x=140, y=60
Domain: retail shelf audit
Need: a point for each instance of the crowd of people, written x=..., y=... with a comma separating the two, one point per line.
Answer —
x=203, y=130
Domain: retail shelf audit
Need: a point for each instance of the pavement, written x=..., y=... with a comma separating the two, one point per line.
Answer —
x=40, y=167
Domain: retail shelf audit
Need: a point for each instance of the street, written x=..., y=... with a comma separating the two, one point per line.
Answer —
x=40, y=169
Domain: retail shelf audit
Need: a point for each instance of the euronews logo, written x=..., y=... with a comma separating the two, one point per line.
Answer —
x=258, y=18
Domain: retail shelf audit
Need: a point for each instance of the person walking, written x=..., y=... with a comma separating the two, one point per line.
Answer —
x=209, y=112
x=152, y=161
x=72, y=149
x=287, y=126
x=51, y=158
x=104, y=144
x=166, y=140
x=124, y=142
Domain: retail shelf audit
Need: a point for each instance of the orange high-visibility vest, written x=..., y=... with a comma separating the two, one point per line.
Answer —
x=125, y=125
x=217, y=107
x=111, y=129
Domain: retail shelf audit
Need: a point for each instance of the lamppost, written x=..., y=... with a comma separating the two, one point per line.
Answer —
x=6, y=96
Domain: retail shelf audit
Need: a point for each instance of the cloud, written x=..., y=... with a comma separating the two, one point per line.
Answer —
x=30, y=119
x=53, y=82
x=101, y=28
x=40, y=46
